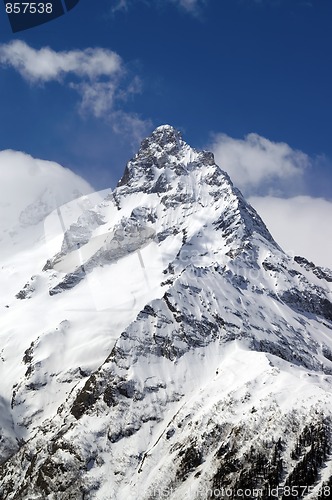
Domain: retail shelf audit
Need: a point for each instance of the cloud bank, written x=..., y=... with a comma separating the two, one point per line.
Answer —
x=32, y=188
x=256, y=164
x=301, y=225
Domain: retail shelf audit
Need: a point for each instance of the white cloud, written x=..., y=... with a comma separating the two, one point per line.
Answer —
x=46, y=64
x=98, y=75
x=256, y=164
x=133, y=125
x=193, y=6
x=97, y=97
x=301, y=225
x=190, y=6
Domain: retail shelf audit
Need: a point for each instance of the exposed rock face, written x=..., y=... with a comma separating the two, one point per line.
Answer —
x=208, y=371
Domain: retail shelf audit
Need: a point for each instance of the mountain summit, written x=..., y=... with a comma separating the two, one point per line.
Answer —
x=167, y=347
x=162, y=152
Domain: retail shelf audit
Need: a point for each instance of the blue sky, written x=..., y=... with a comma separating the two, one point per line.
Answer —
x=216, y=69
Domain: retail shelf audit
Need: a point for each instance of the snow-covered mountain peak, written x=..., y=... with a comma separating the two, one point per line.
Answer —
x=184, y=180
x=163, y=152
x=164, y=135
x=165, y=346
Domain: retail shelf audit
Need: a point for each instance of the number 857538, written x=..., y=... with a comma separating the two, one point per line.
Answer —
x=29, y=8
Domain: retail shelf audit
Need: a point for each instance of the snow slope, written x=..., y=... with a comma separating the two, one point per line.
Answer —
x=165, y=345
x=30, y=189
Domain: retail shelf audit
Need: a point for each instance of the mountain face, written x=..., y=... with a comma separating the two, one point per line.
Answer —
x=160, y=344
